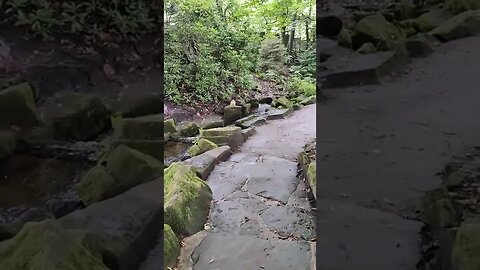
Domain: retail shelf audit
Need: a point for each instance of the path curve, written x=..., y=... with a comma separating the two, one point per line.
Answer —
x=380, y=148
x=260, y=217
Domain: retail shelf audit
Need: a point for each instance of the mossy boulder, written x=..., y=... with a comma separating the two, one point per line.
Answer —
x=201, y=146
x=246, y=109
x=232, y=113
x=154, y=148
x=75, y=116
x=187, y=199
x=169, y=126
x=441, y=213
x=231, y=136
x=97, y=185
x=282, y=102
x=312, y=177
x=309, y=100
x=171, y=247
x=379, y=31
x=17, y=106
x=463, y=25
x=188, y=129
x=459, y=6
x=466, y=250
x=403, y=11
x=135, y=104
x=344, y=38
x=47, y=246
x=211, y=123
x=421, y=45
x=141, y=128
x=130, y=167
x=367, y=48
x=8, y=143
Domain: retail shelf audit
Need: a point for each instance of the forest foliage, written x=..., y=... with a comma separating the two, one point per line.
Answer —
x=215, y=48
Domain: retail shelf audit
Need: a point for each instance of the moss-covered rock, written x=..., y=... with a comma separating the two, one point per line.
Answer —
x=75, y=116
x=17, y=106
x=8, y=143
x=344, y=38
x=466, y=250
x=421, y=45
x=230, y=135
x=232, y=113
x=141, y=128
x=404, y=11
x=282, y=102
x=379, y=31
x=246, y=109
x=367, y=48
x=312, y=177
x=201, y=146
x=188, y=129
x=171, y=247
x=130, y=167
x=463, y=25
x=459, y=6
x=154, y=148
x=211, y=123
x=97, y=185
x=441, y=213
x=187, y=199
x=47, y=246
x=309, y=100
x=169, y=126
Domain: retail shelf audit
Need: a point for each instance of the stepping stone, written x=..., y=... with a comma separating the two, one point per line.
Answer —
x=288, y=220
x=238, y=214
x=206, y=162
x=251, y=121
x=275, y=114
x=346, y=68
x=240, y=252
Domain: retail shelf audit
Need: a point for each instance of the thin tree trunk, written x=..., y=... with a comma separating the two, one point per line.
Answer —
x=284, y=36
x=292, y=36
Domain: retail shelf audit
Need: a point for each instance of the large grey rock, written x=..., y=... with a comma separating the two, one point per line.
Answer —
x=17, y=106
x=345, y=68
x=141, y=128
x=251, y=121
x=275, y=114
x=421, y=45
x=463, y=25
x=205, y=163
x=74, y=116
x=231, y=136
x=126, y=225
x=231, y=114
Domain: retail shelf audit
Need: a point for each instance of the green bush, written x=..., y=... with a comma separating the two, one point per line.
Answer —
x=273, y=57
x=302, y=86
x=97, y=20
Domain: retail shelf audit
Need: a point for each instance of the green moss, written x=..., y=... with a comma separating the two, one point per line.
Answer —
x=17, y=106
x=171, y=247
x=131, y=167
x=169, y=126
x=466, y=250
x=8, y=143
x=97, y=185
x=187, y=199
x=47, y=246
x=201, y=146
x=459, y=6
x=141, y=128
x=345, y=38
x=378, y=30
x=367, y=48
x=462, y=25
x=282, y=102
x=188, y=129
x=312, y=177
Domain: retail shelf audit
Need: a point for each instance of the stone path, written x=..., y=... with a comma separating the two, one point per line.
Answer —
x=260, y=217
x=381, y=147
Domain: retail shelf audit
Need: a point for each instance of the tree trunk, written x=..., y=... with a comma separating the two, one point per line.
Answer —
x=307, y=24
x=284, y=36
x=292, y=36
